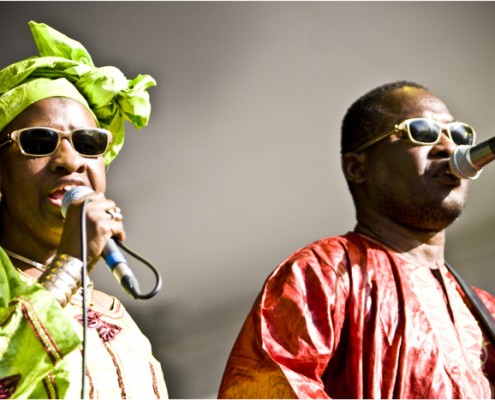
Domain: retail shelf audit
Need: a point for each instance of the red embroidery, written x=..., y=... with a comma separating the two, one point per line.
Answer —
x=50, y=386
x=105, y=330
x=8, y=386
x=40, y=330
x=117, y=363
x=91, y=385
x=155, y=383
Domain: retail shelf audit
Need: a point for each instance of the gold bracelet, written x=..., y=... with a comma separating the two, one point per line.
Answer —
x=62, y=277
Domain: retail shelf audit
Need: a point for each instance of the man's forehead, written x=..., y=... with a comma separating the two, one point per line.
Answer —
x=411, y=102
x=398, y=98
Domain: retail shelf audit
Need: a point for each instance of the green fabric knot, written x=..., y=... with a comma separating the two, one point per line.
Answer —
x=65, y=69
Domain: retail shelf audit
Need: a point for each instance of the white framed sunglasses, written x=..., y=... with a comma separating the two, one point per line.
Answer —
x=427, y=131
x=42, y=141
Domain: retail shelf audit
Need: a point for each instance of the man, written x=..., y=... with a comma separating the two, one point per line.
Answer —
x=375, y=313
x=61, y=123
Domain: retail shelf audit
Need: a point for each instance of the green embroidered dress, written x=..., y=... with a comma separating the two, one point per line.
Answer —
x=41, y=347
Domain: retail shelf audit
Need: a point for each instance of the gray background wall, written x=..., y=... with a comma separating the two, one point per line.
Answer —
x=239, y=165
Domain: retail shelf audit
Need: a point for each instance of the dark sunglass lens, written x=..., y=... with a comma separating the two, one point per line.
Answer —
x=38, y=141
x=90, y=142
x=461, y=134
x=424, y=131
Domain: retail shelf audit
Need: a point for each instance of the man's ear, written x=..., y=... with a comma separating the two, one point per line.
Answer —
x=353, y=167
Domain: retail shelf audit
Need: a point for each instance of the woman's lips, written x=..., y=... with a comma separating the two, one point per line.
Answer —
x=57, y=196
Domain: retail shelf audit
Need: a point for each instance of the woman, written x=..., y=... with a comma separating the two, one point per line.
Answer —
x=61, y=123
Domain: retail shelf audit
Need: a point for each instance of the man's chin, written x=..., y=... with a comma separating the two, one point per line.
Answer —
x=432, y=219
x=447, y=218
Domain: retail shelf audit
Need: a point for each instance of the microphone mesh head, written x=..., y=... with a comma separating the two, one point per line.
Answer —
x=72, y=195
x=460, y=164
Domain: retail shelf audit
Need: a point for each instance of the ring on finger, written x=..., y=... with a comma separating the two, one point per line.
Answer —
x=115, y=214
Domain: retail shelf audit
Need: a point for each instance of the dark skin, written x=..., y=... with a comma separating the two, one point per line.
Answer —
x=32, y=189
x=405, y=195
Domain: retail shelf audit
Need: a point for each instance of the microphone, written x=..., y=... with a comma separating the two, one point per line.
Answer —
x=111, y=253
x=468, y=161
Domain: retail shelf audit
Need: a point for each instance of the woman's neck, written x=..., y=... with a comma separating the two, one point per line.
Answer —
x=29, y=256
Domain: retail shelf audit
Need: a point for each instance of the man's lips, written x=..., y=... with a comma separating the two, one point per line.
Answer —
x=448, y=178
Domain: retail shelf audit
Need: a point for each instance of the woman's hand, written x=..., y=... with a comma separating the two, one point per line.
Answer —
x=103, y=222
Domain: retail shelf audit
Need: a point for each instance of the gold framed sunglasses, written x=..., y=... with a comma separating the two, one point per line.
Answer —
x=42, y=141
x=427, y=131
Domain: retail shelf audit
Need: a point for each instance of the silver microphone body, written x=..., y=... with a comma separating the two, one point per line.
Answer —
x=72, y=195
x=467, y=161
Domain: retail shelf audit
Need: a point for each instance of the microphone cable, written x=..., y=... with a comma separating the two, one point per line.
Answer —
x=84, y=306
x=84, y=272
x=158, y=279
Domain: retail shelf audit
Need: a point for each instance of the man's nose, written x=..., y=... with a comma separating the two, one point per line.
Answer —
x=446, y=141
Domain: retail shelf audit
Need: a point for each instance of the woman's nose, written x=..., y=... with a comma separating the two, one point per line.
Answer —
x=67, y=158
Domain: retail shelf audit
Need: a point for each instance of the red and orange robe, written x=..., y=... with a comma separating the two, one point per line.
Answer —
x=347, y=317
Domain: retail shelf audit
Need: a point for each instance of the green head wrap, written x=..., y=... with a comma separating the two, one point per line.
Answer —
x=65, y=69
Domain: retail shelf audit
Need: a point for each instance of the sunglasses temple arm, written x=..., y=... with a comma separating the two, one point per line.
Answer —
x=5, y=141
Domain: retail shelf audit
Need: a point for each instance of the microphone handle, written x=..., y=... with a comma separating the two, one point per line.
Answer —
x=468, y=161
x=482, y=155
x=117, y=263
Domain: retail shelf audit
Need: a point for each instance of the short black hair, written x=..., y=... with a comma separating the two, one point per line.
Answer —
x=362, y=119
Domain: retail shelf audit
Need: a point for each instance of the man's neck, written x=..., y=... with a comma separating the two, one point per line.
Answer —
x=421, y=246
